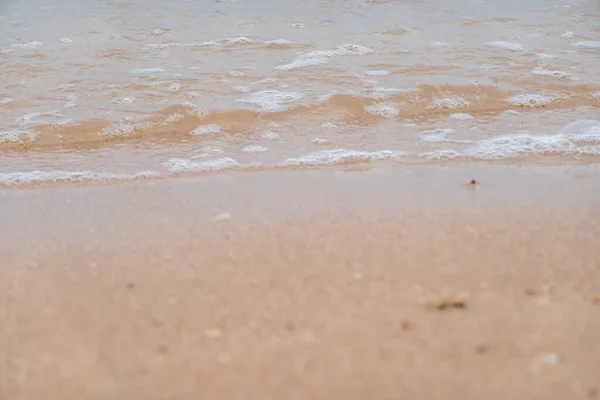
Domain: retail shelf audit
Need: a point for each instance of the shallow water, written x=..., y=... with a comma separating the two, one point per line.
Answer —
x=110, y=90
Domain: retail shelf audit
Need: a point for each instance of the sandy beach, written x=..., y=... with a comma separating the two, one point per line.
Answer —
x=335, y=284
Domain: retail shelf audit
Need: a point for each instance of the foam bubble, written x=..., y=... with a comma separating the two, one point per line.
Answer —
x=449, y=103
x=387, y=110
x=461, y=116
x=241, y=89
x=185, y=165
x=580, y=137
x=531, y=100
x=338, y=156
x=37, y=177
x=441, y=154
x=254, y=149
x=28, y=45
x=508, y=146
x=5, y=100
x=172, y=118
x=544, y=56
x=568, y=35
x=320, y=141
x=377, y=73
x=436, y=135
x=125, y=100
x=147, y=70
x=278, y=42
x=506, y=45
x=272, y=100
x=27, y=118
x=322, y=56
x=17, y=136
x=237, y=74
x=66, y=40
x=163, y=46
x=125, y=128
x=555, y=74
x=237, y=40
x=581, y=127
x=207, y=129
x=590, y=45
x=270, y=135
x=328, y=125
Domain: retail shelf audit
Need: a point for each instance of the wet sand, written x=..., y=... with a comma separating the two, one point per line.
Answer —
x=403, y=283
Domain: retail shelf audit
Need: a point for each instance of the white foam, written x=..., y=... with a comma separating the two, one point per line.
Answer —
x=338, y=156
x=33, y=177
x=531, y=100
x=66, y=40
x=590, y=45
x=320, y=141
x=176, y=45
x=172, y=118
x=545, y=56
x=185, y=165
x=386, y=110
x=27, y=118
x=298, y=25
x=125, y=100
x=125, y=128
x=147, y=70
x=17, y=136
x=254, y=149
x=508, y=146
x=322, y=56
x=272, y=100
x=207, y=129
x=461, y=116
x=377, y=73
x=278, y=42
x=241, y=89
x=270, y=136
x=328, y=125
x=568, y=35
x=555, y=74
x=5, y=100
x=29, y=45
x=441, y=154
x=449, y=103
x=581, y=128
x=195, y=110
x=506, y=45
x=579, y=137
x=436, y=135
x=237, y=40
x=212, y=150
x=174, y=87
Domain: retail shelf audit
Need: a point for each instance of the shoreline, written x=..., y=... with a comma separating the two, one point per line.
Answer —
x=385, y=283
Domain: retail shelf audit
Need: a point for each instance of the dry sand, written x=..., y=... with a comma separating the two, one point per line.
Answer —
x=382, y=284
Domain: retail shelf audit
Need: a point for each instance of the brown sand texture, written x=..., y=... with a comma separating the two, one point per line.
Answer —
x=383, y=284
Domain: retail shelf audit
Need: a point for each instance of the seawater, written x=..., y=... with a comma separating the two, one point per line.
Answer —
x=103, y=90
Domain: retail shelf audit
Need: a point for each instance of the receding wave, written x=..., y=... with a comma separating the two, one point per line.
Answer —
x=254, y=111
x=44, y=177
